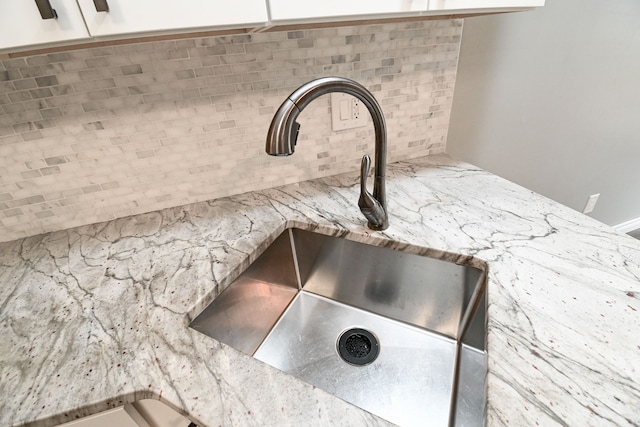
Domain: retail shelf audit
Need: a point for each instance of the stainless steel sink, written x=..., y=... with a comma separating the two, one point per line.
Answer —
x=397, y=334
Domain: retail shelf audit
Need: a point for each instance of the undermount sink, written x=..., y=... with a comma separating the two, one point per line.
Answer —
x=399, y=335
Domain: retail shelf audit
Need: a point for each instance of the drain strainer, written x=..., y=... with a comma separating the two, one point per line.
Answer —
x=358, y=347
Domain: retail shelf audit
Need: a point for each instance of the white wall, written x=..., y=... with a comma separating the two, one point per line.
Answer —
x=550, y=99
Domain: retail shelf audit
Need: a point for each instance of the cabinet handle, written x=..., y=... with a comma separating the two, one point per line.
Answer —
x=101, y=5
x=45, y=9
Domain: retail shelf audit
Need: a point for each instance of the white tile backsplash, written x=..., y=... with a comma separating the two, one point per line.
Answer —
x=96, y=134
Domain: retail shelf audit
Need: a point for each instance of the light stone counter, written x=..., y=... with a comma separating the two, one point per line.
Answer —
x=96, y=316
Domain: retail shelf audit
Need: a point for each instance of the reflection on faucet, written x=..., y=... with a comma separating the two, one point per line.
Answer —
x=283, y=134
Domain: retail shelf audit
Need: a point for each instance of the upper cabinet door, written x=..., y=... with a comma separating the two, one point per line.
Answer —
x=139, y=16
x=22, y=25
x=471, y=6
x=124, y=416
x=283, y=11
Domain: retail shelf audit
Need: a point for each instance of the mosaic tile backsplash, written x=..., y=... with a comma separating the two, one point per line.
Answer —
x=101, y=133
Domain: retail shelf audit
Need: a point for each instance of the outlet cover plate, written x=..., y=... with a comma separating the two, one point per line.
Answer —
x=591, y=203
x=347, y=112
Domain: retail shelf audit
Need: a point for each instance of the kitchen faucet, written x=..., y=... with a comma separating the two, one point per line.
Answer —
x=283, y=135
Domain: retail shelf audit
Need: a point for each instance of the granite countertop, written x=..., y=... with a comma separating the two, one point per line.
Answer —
x=96, y=316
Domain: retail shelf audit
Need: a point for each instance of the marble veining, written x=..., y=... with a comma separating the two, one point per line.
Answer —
x=96, y=316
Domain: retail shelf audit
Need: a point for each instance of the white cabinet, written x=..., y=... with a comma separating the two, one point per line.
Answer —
x=478, y=6
x=143, y=413
x=157, y=414
x=124, y=416
x=140, y=16
x=22, y=25
x=296, y=11
x=287, y=11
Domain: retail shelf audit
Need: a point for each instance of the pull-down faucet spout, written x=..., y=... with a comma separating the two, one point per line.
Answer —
x=283, y=135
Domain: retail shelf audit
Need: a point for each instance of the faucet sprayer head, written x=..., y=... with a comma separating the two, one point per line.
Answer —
x=283, y=132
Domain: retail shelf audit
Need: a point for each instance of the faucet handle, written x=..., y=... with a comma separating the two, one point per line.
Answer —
x=365, y=167
x=369, y=206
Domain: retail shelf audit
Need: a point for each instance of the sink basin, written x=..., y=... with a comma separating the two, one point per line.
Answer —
x=399, y=335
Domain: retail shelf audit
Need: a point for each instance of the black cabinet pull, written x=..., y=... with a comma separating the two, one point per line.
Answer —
x=45, y=9
x=101, y=5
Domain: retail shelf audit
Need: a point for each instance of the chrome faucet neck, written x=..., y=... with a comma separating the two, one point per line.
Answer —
x=283, y=135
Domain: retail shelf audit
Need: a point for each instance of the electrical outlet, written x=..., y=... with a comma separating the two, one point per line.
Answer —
x=347, y=112
x=355, y=108
x=591, y=203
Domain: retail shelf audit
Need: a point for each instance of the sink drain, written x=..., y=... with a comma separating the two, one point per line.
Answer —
x=358, y=347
